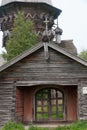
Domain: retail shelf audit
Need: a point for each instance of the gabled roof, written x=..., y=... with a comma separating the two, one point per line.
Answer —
x=37, y=47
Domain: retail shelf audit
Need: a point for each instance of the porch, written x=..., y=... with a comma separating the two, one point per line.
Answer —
x=46, y=104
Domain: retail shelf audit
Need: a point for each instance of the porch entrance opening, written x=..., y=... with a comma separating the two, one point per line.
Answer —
x=49, y=104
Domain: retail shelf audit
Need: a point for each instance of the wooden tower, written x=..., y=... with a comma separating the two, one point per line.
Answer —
x=36, y=10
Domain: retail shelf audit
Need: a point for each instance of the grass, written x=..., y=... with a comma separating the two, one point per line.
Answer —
x=13, y=126
x=37, y=128
x=75, y=126
x=81, y=125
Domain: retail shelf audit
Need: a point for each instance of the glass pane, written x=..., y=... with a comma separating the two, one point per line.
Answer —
x=39, y=96
x=39, y=116
x=45, y=116
x=59, y=94
x=53, y=93
x=60, y=115
x=45, y=109
x=39, y=103
x=60, y=101
x=53, y=102
x=39, y=109
x=54, y=116
x=60, y=108
x=45, y=103
x=45, y=95
x=53, y=109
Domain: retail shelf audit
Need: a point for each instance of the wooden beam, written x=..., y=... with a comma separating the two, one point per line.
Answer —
x=46, y=53
x=32, y=83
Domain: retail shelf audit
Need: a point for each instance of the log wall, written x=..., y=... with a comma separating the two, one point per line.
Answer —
x=7, y=104
x=82, y=100
x=35, y=68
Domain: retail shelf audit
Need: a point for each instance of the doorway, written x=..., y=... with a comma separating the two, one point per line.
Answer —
x=49, y=104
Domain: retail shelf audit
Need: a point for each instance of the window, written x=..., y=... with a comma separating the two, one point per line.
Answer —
x=49, y=104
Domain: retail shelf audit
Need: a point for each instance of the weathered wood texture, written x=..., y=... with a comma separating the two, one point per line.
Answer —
x=29, y=110
x=82, y=101
x=7, y=103
x=71, y=103
x=36, y=68
x=32, y=11
x=19, y=104
x=28, y=105
x=58, y=68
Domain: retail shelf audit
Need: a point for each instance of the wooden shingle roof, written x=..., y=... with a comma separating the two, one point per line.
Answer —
x=4, y=2
x=37, y=47
x=47, y=3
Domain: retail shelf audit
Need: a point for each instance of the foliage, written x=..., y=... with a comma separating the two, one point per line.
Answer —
x=75, y=126
x=22, y=37
x=13, y=126
x=62, y=128
x=37, y=128
x=83, y=55
x=80, y=125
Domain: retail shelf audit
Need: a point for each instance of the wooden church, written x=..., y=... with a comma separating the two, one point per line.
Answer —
x=48, y=82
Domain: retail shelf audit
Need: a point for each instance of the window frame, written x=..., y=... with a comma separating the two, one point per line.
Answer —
x=50, y=105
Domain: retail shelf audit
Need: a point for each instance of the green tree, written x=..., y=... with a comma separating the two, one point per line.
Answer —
x=83, y=55
x=22, y=37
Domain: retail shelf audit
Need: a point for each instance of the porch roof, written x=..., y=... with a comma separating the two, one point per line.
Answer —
x=37, y=47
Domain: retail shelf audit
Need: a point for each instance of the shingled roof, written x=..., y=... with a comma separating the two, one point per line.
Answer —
x=37, y=47
x=47, y=3
x=4, y=2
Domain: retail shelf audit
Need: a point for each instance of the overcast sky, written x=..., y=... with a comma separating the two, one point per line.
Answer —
x=73, y=21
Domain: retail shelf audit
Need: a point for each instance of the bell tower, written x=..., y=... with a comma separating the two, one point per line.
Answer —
x=36, y=10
